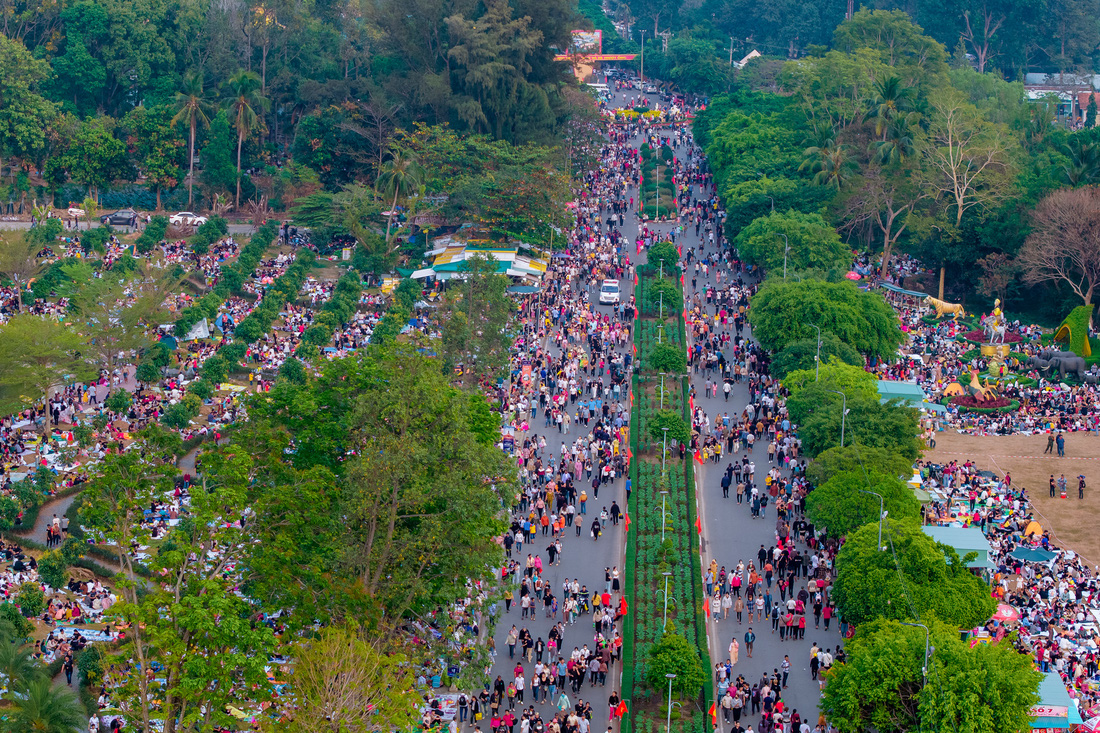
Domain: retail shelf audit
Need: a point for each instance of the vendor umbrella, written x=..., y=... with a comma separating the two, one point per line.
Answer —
x=853, y=275
x=1006, y=612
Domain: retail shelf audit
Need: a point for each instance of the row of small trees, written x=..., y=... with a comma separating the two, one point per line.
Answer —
x=862, y=448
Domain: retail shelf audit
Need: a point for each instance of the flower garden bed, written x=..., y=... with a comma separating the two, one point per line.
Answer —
x=967, y=403
x=978, y=336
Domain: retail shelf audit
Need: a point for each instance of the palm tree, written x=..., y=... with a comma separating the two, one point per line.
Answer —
x=897, y=140
x=1084, y=161
x=245, y=99
x=47, y=709
x=17, y=663
x=890, y=96
x=399, y=177
x=828, y=161
x=192, y=106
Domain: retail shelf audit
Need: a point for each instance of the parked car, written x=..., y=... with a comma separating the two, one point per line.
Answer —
x=187, y=218
x=609, y=292
x=121, y=218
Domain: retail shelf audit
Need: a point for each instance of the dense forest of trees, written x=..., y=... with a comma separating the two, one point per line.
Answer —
x=1008, y=36
x=101, y=91
x=901, y=146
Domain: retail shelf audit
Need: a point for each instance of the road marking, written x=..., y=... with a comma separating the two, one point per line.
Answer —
x=1006, y=455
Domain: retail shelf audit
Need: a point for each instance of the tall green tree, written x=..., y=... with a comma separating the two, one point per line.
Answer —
x=38, y=353
x=399, y=178
x=247, y=104
x=157, y=151
x=912, y=576
x=192, y=624
x=793, y=240
x=987, y=688
x=19, y=261
x=476, y=320
x=24, y=112
x=192, y=107
x=218, y=173
x=840, y=506
x=781, y=311
x=96, y=157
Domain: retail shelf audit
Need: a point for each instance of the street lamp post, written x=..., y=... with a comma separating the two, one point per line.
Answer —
x=668, y=723
x=641, y=72
x=664, y=625
x=661, y=306
x=773, y=203
x=843, y=412
x=664, y=452
x=881, y=514
x=662, y=268
x=662, y=389
x=786, y=249
x=664, y=515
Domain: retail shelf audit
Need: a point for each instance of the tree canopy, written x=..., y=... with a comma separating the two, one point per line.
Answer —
x=913, y=575
x=985, y=688
x=781, y=311
x=840, y=506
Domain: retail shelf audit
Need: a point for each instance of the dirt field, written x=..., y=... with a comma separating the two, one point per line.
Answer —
x=1072, y=522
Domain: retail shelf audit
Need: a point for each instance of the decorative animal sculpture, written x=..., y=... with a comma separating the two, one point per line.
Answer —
x=942, y=307
x=980, y=392
x=994, y=329
x=1073, y=363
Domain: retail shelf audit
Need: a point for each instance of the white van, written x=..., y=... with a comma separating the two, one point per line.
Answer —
x=609, y=292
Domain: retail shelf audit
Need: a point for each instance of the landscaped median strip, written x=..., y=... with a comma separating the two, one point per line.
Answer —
x=663, y=549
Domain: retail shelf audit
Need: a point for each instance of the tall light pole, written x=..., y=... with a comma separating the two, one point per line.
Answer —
x=664, y=515
x=668, y=723
x=641, y=72
x=664, y=454
x=927, y=655
x=661, y=305
x=773, y=203
x=817, y=357
x=662, y=389
x=881, y=514
x=731, y=50
x=843, y=412
x=786, y=249
x=664, y=625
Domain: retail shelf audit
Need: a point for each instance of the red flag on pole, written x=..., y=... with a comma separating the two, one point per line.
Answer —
x=698, y=525
x=713, y=714
x=620, y=709
x=706, y=607
x=626, y=523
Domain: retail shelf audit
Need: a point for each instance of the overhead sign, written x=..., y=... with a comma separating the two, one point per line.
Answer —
x=586, y=42
x=1049, y=711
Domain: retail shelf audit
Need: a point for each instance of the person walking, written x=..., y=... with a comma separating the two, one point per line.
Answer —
x=750, y=639
x=1050, y=444
x=1080, y=487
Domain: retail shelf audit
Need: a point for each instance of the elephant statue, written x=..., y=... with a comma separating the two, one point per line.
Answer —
x=1072, y=363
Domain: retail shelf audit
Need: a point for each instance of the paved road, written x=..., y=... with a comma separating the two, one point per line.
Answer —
x=17, y=225
x=731, y=535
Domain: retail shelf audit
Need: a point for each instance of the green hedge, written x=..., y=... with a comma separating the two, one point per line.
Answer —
x=232, y=277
